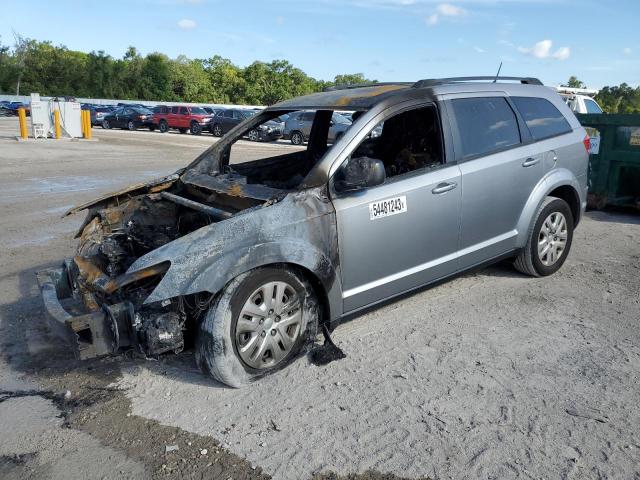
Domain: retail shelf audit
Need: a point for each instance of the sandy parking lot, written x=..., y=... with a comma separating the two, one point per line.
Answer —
x=490, y=375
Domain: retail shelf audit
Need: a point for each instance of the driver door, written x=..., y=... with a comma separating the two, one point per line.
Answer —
x=399, y=235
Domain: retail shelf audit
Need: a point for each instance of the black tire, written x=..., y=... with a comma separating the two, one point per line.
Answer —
x=131, y=125
x=195, y=129
x=338, y=137
x=163, y=126
x=216, y=348
x=297, y=138
x=217, y=130
x=254, y=135
x=106, y=125
x=529, y=261
x=182, y=130
x=152, y=128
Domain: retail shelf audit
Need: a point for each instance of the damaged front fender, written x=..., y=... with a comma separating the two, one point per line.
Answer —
x=298, y=230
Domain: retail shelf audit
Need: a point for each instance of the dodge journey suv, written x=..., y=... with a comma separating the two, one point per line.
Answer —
x=244, y=259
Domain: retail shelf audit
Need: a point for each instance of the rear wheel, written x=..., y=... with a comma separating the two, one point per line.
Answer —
x=217, y=130
x=106, y=124
x=549, y=240
x=261, y=321
x=163, y=126
x=131, y=125
x=195, y=129
x=297, y=138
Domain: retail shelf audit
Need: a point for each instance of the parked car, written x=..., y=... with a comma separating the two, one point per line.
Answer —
x=13, y=107
x=256, y=257
x=130, y=118
x=225, y=120
x=183, y=118
x=580, y=100
x=213, y=110
x=266, y=132
x=98, y=113
x=298, y=127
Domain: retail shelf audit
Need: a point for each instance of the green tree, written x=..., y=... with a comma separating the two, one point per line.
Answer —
x=352, y=79
x=573, y=82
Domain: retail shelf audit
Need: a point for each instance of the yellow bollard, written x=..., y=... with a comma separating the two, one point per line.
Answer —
x=89, y=131
x=83, y=121
x=56, y=124
x=22, y=120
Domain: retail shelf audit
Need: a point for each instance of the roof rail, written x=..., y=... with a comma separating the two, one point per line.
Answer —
x=431, y=82
x=349, y=86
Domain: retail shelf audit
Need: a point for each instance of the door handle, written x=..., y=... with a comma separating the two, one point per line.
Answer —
x=531, y=161
x=444, y=188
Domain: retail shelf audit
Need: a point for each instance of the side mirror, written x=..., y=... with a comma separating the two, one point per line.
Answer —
x=360, y=173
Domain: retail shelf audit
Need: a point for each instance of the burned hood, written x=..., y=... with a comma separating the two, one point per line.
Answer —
x=153, y=186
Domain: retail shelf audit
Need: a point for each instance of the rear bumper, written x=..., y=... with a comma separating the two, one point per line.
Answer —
x=88, y=334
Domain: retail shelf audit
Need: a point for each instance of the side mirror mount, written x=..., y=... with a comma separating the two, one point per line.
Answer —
x=360, y=173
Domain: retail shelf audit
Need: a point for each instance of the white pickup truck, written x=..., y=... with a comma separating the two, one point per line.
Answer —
x=580, y=100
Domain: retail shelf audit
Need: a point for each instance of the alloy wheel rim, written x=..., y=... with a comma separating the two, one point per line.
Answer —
x=552, y=240
x=296, y=139
x=217, y=130
x=269, y=325
x=253, y=135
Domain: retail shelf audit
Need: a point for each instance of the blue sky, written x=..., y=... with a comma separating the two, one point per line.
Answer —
x=384, y=39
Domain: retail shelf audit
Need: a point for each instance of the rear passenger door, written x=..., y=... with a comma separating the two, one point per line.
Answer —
x=499, y=167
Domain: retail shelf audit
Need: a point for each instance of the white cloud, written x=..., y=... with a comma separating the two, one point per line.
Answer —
x=542, y=49
x=280, y=20
x=448, y=10
x=627, y=51
x=187, y=24
x=562, y=53
x=433, y=19
x=445, y=10
x=479, y=50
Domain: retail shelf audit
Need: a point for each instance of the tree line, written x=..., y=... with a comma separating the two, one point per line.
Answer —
x=34, y=66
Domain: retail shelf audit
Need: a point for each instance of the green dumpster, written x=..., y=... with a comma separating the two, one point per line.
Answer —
x=614, y=160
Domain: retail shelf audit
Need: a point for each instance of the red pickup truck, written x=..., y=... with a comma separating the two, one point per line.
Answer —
x=183, y=118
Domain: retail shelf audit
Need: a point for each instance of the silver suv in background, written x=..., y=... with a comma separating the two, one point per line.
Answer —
x=297, y=127
x=254, y=256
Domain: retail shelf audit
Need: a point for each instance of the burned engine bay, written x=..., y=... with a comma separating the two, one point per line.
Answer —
x=126, y=226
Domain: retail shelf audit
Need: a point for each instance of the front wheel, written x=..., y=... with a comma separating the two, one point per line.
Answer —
x=163, y=127
x=195, y=129
x=217, y=130
x=549, y=240
x=254, y=136
x=152, y=128
x=261, y=321
x=131, y=125
x=106, y=125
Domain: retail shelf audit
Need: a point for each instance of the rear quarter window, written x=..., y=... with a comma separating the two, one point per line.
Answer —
x=485, y=125
x=542, y=117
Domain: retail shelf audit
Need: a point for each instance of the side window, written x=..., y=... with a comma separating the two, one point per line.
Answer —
x=543, y=119
x=238, y=115
x=307, y=116
x=405, y=142
x=592, y=107
x=175, y=110
x=184, y=111
x=228, y=114
x=128, y=111
x=485, y=125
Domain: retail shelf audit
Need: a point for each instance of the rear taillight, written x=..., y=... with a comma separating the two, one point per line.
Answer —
x=587, y=143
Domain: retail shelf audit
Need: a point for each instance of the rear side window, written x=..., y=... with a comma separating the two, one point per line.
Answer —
x=175, y=110
x=485, y=125
x=543, y=119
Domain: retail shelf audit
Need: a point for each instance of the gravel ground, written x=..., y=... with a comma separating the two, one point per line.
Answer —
x=490, y=375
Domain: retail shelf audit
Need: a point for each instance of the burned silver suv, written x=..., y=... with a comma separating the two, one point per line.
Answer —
x=247, y=258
